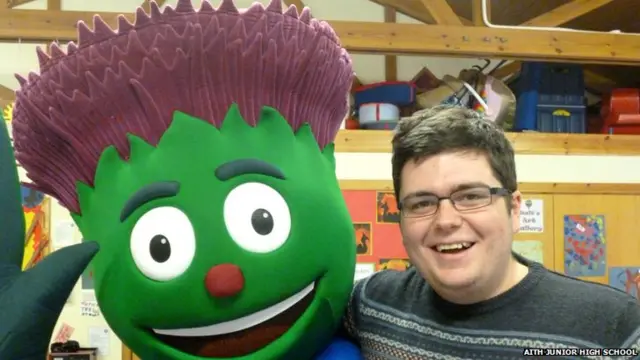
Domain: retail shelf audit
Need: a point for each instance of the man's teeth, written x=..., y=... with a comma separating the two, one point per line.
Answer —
x=242, y=323
x=458, y=246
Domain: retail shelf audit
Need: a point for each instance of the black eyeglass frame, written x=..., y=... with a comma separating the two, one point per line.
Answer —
x=493, y=191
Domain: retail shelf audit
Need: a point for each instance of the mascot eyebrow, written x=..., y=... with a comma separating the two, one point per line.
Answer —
x=239, y=167
x=196, y=147
x=153, y=191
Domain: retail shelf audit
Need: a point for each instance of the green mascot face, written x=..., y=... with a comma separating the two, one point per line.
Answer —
x=221, y=243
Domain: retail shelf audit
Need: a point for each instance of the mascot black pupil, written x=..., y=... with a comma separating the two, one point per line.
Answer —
x=160, y=249
x=262, y=221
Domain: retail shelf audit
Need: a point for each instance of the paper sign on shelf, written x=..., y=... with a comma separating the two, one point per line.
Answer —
x=532, y=216
x=99, y=338
x=64, y=334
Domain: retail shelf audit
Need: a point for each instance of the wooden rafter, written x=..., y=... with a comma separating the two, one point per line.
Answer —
x=298, y=3
x=13, y=3
x=146, y=4
x=565, y=13
x=381, y=38
x=390, y=61
x=54, y=5
x=556, y=17
x=442, y=12
x=476, y=12
x=413, y=9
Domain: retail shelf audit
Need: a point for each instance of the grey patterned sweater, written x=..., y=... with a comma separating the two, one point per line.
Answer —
x=396, y=315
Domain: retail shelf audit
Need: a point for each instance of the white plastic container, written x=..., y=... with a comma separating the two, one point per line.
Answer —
x=372, y=113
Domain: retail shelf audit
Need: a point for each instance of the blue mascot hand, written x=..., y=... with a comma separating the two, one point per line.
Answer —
x=340, y=349
x=30, y=301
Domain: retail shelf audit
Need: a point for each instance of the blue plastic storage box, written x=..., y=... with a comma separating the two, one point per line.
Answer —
x=399, y=93
x=547, y=84
x=562, y=119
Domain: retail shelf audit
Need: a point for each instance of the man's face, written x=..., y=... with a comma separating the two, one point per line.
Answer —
x=486, y=232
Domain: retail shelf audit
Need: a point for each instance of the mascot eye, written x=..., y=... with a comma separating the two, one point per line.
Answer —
x=257, y=217
x=163, y=243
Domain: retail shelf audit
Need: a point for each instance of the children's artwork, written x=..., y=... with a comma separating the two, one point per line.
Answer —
x=64, y=333
x=394, y=264
x=530, y=249
x=584, y=245
x=626, y=279
x=7, y=115
x=387, y=207
x=363, y=270
x=374, y=240
x=364, y=240
x=36, y=215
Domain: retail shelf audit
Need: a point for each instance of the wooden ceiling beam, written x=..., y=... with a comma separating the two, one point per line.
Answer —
x=556, y=17
x=146, y=4
x=565, y=13
x=383, y=39
x=390, y=61
x=14, y=3
x=298, y=3
x=442, y=12
x=54, y=5
x=476, y=12
x=414, y=9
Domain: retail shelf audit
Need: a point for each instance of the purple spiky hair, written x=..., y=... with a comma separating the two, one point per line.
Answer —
x=196, y=61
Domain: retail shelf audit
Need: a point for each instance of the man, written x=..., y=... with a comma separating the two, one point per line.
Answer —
x=468, y=296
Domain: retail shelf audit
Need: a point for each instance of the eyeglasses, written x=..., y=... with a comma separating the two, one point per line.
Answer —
x=422, y=205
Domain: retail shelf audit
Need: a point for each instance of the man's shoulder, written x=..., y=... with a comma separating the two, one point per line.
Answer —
x=391, y=284
x=577, y=291
x=596, y=306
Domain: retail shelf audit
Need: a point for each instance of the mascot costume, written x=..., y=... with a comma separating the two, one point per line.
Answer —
x=30, y=301
x=195, y=146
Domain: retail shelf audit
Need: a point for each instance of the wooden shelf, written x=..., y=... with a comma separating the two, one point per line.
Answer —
x=374, y=141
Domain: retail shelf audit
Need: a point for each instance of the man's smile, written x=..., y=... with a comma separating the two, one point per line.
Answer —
x=241, y=336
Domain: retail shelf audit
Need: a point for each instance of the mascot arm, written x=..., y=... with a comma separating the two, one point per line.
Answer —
x=30, y=301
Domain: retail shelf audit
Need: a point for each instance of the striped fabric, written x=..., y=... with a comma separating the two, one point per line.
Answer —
x=396, y=315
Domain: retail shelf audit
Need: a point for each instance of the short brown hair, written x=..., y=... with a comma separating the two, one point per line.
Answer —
x=446, y=129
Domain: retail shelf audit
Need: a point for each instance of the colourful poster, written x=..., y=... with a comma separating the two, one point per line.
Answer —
x=387, y=207
x=36, y=215
x=584, y=245
x=377, y=235
x=364, y=238
x=394, y=264
x=626, y=279
x=530, y=249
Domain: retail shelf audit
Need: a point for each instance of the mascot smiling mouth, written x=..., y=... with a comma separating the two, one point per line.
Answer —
x=242, y=336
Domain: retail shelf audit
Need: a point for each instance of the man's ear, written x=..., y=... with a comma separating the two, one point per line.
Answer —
x=516, y=200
